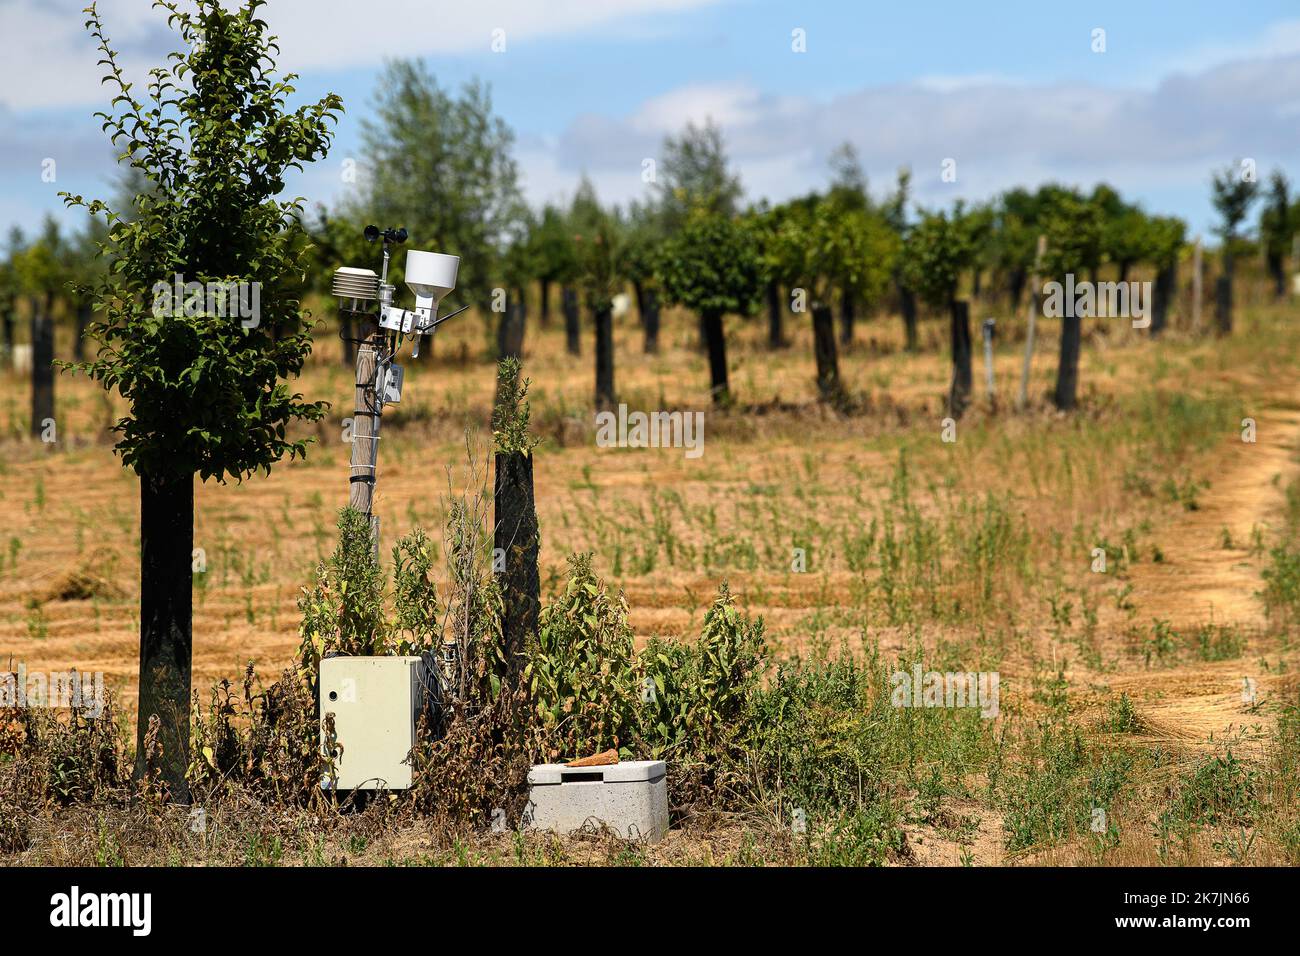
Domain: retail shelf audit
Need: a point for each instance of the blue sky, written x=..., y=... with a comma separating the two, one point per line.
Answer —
x=1012, y=91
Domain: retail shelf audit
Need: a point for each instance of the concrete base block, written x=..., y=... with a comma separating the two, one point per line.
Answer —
x=630, y=798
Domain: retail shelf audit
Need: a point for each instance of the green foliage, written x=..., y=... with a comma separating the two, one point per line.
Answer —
x=343, y=612
x=1073, y=226
x=702, y=691
x=711, y=265
x=1232, y=194
x=938, y=249
x=600, y=250
x=215, y=141
x=832, y=243
x=510, y=414
x=582, y=669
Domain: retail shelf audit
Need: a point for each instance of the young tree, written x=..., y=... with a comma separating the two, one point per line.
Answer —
x=441, y=166
x=43, y=276
x=602, y=271
x=1232, y=193
x=938, y=250
x=206, y=390
x=1073, y=226
x=520, y=262
x=831, y=247
x=1277, y=226
x=895, y=213
x=711, y=266
x=10, y=289
x=644, y=238
x=1164, y=238
x=553, y=248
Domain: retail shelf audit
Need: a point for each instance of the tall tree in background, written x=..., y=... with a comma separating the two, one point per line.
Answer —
x=207, y=392
x=1277, y=226
x=1232, y=193
x=441, y=166
x=693, y=171
x=1073, y=226
x=937, y=251
x=711, y=266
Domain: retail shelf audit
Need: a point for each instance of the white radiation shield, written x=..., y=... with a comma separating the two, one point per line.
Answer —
x=430, y=276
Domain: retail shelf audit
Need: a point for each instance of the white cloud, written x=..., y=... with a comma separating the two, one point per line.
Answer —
x=1000, y=132
x=53, y=61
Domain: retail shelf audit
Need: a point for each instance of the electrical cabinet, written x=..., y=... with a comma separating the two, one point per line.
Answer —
x=375, y=702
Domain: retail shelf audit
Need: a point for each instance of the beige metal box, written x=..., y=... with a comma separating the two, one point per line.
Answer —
x=375, y=702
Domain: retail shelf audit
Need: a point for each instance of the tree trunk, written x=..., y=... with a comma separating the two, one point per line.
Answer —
x=962, y=381
x=1066, y=396
x=510, y=330
x=1162, y=295
x=166, y=603
x=42, y=363
x=84, y=312
x=516, y=534
x=848, y=313
x=544, y=316
x=650, y=321
x=775, y=317
x=604, y=358
x=7, y=328
x=907, y=303
x=1016, y=286
x=572, y=326
x=1223, y=303
x=711, y=323
x=828, y=364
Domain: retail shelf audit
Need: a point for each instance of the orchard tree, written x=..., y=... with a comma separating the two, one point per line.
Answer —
x=441, y=166
x=711, y=266
x=895, y=214
x=937, y=251
x=10, y=289
x=1164, y=239
x=1073, y=226
x=1277, y=227
x=207, y=391
x=1233, y=191
x=827, y=248
x=553, y=247
x=602, y=271
x=43, y=276
x=519, y=263
x=644, y=235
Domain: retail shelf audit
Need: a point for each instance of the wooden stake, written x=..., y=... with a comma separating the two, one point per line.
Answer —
x=365, y=428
